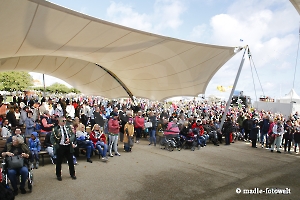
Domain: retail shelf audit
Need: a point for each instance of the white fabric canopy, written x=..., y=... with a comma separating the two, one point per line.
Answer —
x=39, y=36
x=296, y=4
x=290, y=97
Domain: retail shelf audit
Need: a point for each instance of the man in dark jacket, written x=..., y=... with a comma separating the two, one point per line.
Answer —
x=264, y=130
x=124, y=119
x=288, y=135
x=227, y=129
x=98, y=118
x=247, y=125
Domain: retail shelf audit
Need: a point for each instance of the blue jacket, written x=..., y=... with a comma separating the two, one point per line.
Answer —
x=34, y=145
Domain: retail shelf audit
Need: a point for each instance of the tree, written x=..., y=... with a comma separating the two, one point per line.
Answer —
x=15, y=81
x=58, y=88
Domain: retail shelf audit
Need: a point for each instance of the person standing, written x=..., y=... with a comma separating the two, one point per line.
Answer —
x=247, y=125
x=278, y=131
x=128, y=135
x=98, y=117
x=254, y=132
x=139, y=125
x=264, y=130
x=113, y=130
x=227, y=129
x=63, y=140
x=288, y=135
x=153, y=120
x=29, y=124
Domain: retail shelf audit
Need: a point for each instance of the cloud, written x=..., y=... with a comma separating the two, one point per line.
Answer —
x=166, y=15
x=268, y=27
x=198, y=32
x=124, y=14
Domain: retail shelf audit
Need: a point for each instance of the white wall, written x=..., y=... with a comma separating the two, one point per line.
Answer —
x=284, y=108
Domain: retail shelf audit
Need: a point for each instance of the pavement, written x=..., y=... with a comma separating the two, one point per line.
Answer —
x=148, y=172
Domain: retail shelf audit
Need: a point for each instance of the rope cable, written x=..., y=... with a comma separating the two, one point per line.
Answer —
x=253, y=78
x=256, y=73
x=296, y=62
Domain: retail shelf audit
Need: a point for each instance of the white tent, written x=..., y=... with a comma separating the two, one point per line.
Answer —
x=102, y=58
x=291, y=97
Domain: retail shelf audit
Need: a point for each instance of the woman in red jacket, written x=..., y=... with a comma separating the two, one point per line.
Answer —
x=139, y=125
x=99, y=140
x=113, y=131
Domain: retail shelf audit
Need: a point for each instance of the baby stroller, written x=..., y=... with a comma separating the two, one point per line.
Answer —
x=189, y=141
x=6, y=181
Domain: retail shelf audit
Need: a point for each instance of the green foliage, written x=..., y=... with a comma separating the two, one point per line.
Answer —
x=15, y=81
x=58, y=88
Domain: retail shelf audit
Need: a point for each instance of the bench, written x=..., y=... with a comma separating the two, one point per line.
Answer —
x=2, y=144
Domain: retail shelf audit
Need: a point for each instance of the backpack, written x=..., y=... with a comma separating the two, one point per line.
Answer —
x=6, y=193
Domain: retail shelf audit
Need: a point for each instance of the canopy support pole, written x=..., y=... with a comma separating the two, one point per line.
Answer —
x=44, y=92
x=118, y=80
x=233, y=89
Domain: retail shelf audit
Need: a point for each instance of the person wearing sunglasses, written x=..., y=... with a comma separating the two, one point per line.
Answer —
x=63, y=140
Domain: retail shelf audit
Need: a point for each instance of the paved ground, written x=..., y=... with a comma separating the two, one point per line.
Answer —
x=152, y=173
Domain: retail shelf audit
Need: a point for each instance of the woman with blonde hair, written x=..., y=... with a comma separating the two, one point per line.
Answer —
x=99, y=140
x=83, y=141
x=17, y=148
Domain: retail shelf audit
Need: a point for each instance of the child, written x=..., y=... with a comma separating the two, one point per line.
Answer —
x=34, y=145
x=128, y=135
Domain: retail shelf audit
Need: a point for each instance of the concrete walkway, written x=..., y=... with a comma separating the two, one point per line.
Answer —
x=152, y=173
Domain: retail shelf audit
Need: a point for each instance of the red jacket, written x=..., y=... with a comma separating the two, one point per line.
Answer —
x=139, y=122
x=200, y=127
x=271, y=128
x=94, y=138
x=113, y=126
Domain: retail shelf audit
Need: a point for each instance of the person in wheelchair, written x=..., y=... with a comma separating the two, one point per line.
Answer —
x=17, y=148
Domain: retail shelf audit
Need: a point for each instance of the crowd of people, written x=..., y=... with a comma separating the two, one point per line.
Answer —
x=94, y=125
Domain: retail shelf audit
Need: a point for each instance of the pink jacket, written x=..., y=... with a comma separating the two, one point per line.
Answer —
x=172, y=129
x=139, y=122
x=113, y=126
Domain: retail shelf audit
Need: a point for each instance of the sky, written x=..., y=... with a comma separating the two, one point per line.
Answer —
x=269, y=27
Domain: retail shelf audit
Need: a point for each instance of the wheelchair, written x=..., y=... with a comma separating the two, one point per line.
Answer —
x=5, y=180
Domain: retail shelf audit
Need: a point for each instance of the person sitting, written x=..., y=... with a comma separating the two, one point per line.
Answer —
x=82, y=139
x=213, y=134
x=49, y=147
x=172, y=129
x=34, y=145
x=5, y=129
x=199, y=130
x=17, y=148
x=99, y=140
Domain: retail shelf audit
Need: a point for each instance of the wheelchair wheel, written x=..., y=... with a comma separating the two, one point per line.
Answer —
x=179, y=145
x=30, y=181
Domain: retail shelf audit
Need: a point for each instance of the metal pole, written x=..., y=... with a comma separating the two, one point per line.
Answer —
x=44, y=93
x=233, y=89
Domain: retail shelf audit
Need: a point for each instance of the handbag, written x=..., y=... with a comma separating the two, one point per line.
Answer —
x=15, y=162
x=130, y=141
x=148, y=124
x=271, y=138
